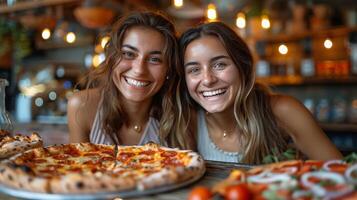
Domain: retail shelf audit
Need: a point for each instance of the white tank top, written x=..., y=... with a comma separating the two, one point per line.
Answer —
x=207, y=148
x=97, y=134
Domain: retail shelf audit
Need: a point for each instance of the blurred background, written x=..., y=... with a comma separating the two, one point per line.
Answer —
x=305, y=48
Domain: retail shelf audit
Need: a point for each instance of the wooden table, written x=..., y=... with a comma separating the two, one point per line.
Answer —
x=215, y=171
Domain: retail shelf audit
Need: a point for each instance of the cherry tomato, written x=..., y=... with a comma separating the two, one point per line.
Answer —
x=200, y=193
x=238, y=192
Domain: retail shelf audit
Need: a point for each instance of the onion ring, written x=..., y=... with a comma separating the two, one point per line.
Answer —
x=326, y=165
x=269, y=178
x=348, y=174
x=321, y=191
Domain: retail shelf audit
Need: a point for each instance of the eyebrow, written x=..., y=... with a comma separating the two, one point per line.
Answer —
x=211, y=60
x=137, y=50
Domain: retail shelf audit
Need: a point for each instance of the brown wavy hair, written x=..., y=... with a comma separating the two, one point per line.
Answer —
x=114, y=115
x=259, y=129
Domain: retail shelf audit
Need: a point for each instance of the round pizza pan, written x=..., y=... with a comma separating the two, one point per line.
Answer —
x=90, y=196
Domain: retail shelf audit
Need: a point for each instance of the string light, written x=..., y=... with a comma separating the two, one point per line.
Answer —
x=46, y=34
x=70, y=37
x=178, y=3
x=240, y=21
x=265, y=22
x=211, y=12
x=328, y=43
x=104, y=41
x=283, y=49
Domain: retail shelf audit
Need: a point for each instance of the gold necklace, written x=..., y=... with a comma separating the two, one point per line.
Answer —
x=226, y=133
x=137, y=128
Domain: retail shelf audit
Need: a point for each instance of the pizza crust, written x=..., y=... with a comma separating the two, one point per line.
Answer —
x=15, y=176
x=79, y=183
x=11, y=145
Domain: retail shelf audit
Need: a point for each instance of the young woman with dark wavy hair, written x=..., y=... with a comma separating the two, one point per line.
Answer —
x=128, y=99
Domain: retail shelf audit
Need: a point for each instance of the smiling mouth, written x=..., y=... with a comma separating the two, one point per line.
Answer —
x=213, y=93
x=136, y=83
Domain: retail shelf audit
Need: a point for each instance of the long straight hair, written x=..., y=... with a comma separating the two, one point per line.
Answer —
x=259, y=129
x=113, y=112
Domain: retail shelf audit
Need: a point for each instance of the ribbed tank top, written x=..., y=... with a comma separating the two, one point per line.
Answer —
x=97, y=134
x=207, y=148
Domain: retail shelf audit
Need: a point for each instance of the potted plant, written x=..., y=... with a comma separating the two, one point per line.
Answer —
x=15, y=43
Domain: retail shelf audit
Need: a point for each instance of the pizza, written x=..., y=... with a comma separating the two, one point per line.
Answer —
x=11, y=145
x=90, y=168
x=296, y=179
x=4, y=133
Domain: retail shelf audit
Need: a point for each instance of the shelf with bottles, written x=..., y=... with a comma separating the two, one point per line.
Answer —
x=328, y=58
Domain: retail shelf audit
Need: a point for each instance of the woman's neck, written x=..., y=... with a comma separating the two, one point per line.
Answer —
x=224, y=121
x=137, y=112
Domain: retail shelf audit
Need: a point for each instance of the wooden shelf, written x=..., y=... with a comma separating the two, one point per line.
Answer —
x=31, y=4
x=298, y=80
x=343, y=127
x=282, y=37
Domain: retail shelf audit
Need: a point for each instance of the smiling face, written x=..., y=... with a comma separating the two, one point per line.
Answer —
x=211, y=75
x=141, y=72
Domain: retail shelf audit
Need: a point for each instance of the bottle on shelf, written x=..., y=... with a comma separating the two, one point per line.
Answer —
x=353, y=52
x=6, y=122
x=307, y=63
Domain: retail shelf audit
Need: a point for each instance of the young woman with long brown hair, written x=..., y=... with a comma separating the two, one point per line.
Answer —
x=128, y=99
x=231, y=117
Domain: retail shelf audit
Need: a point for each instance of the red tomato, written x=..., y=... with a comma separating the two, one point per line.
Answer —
x=238, y=192
x=200, y=193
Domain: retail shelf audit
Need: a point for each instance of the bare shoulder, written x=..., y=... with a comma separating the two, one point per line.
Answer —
x=291, y=114
x=81, y=111
x=85, y=98
x=84, y=103
x=284, y=105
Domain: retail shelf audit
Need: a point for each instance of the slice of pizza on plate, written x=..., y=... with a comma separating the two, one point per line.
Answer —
x=11, y=145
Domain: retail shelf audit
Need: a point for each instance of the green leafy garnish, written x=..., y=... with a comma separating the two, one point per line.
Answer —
x=276, y=156
x=351, y=158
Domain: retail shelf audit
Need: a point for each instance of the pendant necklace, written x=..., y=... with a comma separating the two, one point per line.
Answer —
x=137, y=128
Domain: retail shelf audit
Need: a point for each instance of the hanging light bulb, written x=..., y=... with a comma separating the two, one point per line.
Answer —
x=211, y=12
x=70, y=37
x=328, y=43
x=283, y=49
x=46, y=34
x=98, y=59
x=265, y=22
x=104, y=41
x=178, y=3
x=240, y=21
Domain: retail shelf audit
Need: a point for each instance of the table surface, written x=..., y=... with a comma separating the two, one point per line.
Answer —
x=215, y=172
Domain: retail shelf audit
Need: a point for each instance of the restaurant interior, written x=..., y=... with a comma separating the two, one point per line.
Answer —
x=304, y=48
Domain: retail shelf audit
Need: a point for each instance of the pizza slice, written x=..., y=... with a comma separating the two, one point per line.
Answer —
x=11, y=145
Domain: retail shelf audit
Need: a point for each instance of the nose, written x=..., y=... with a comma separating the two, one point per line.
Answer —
x=139, y=66
x=209, y=77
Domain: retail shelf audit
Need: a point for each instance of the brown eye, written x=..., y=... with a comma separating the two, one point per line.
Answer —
x=155, y=60
x=192, y=70
x=128, y=55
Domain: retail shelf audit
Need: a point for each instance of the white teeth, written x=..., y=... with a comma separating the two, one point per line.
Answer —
x=136, y=83
x=213, y=93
